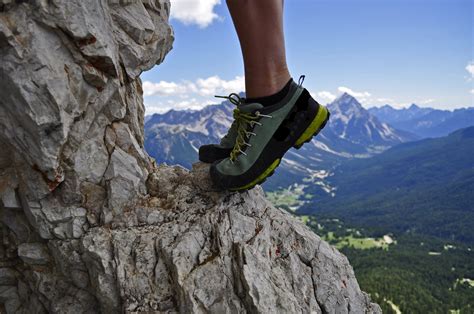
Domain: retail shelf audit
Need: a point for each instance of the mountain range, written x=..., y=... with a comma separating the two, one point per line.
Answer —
x=352, y=132
x=425, y=187
x=425, y=122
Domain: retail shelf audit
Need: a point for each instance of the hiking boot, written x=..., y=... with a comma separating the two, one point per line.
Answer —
x=264, y=135
x=212, y=152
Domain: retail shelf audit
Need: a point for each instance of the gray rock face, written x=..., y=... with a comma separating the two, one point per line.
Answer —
x=33, y=253
x=89, y=223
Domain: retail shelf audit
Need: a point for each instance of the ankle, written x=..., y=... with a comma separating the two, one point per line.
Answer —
x=273, y=98
x=261, y=84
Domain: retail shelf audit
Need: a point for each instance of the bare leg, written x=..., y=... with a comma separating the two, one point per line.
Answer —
x=259, y=25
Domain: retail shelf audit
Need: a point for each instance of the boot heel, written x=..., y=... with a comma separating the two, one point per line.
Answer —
x=318, y=123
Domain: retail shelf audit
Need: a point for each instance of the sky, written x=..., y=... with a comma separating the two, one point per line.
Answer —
x=395, y=52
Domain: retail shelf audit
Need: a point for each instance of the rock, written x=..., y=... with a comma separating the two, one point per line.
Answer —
x=8, y=277
x=9, y=198
x=36, y=218
x=62, y=231
x=127, y=141
x=99, y=260
x=154, y=218
x=90, y=224
x=91, y=167
x=94, y=196
x=124, y=179
x=227, y=252
x=20, y=229
x=79, y=212
x=125, y=166
x=33, y=253
x=94, y=77
x=10, y=299
x=78, y=227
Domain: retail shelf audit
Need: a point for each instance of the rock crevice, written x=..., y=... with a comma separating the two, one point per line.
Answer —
x=88, y=221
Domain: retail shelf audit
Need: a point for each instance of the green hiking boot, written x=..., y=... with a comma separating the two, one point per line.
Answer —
x=212, y=152
x=264, y=135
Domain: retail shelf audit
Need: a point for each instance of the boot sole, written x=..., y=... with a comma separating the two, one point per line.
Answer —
x=318, y=123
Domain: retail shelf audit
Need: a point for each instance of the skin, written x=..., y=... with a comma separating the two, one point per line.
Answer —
x=259, y=26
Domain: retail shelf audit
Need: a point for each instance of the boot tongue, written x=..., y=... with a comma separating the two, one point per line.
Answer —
x=250, y=107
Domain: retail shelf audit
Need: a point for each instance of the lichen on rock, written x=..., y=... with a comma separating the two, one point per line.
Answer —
x=89, y=222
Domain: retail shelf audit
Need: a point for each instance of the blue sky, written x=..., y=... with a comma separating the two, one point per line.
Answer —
x=381, y=51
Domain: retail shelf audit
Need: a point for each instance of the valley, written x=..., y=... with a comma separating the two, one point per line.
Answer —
x=422, y=187
x=399, y=270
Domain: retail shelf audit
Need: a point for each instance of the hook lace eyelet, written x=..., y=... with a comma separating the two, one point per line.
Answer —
x=301, y=80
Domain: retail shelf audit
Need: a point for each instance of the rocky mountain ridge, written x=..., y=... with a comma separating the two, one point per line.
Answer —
x=425, y=122
x=90, y=223
x=390, y=114
x=349, y=120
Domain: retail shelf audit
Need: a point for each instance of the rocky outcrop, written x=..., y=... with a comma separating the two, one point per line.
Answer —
x=89, y=223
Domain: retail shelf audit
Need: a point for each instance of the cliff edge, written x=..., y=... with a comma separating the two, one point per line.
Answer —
x=89, y=222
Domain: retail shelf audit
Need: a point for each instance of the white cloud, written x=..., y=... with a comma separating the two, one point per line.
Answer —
x=202, y=86
x=164, y=95
x=361, y=96
x=326, y=95
x=214, y=84
x=199, y=12
x=369, y=99
x=472, y=91
x=162, y=88
x=470, y=68
x=161, y=107
x=365, y=98
x=384, y=100
x=426, y=101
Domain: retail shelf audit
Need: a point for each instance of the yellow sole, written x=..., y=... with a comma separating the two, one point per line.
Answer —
x=314, y=127
x=261, y=177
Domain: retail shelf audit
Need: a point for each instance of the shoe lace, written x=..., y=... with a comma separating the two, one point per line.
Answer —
x=242, y=121
x=234, y=99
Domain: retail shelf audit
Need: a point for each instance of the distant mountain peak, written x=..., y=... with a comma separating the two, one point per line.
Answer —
x=347, y=104
x=352, y=122
x=425, y=121
x=346, y=97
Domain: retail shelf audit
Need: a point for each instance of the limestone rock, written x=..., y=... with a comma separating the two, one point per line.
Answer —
x=90, y=224
x=33, y=253
x=8, y=277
